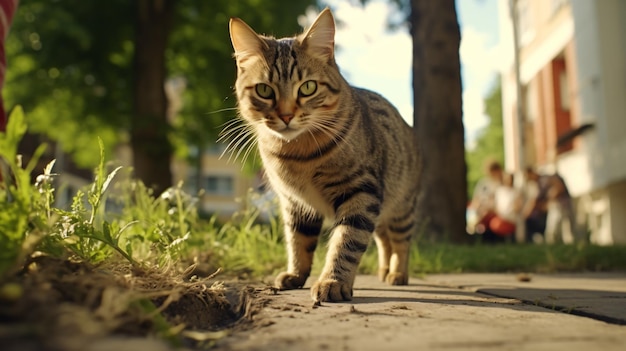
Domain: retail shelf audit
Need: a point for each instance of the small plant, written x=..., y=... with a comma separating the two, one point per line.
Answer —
x=23, y=209
x=83, y=230
x=247, y=244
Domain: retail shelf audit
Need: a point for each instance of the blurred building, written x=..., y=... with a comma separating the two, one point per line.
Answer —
x=224, y=188
x=572, y=56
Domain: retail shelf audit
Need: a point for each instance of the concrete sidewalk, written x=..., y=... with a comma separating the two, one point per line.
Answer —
x=450, y=312
x=600, y=296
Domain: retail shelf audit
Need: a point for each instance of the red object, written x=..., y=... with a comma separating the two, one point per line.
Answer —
x=501, y=226
x=7, y=10
x=483, y=223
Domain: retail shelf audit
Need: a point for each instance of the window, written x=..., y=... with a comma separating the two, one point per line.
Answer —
x=219, y=185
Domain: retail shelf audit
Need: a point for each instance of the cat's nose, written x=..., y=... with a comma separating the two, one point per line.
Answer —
x=286, y=117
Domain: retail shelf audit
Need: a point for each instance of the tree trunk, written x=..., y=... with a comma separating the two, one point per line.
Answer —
x=437, y=118
x=149, y=129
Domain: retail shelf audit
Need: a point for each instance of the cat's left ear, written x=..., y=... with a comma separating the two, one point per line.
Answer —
x=246, y=42
x=319, y=39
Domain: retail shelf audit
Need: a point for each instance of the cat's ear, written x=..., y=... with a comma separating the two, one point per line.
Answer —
x=319, y=39
x=246, y=42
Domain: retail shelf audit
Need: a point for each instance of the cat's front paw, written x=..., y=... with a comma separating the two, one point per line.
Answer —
x=289, y=281
x=331, y=290
x=397, y=278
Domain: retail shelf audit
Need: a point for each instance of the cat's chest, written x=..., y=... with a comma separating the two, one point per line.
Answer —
x=301, y=184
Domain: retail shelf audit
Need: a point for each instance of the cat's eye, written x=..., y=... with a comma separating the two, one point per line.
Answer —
x=308, y=88
x=264, y=91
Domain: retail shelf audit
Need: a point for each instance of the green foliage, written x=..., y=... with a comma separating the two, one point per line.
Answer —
x=490, y=141
x=245, y=246
x=107, y=221
x=83, y=230
x=71, y=63
x=22, y=206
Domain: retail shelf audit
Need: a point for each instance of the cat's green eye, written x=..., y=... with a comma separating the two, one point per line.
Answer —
x=308, y=88
x=264, y=91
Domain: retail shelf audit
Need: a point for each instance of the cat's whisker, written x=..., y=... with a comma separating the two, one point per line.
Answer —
x=228, y=134
x=241, y=140
x=221, y=110
x=231, y=125
x=243, y=147
x=242, y=136
x=230, y=121
x=321, y=129
x=251, y=147
x=329, y=130
x=319, y=148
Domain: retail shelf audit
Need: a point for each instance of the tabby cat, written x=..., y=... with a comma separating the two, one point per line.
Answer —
x=329, y=151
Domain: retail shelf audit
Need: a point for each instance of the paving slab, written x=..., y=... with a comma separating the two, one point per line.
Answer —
x=596, y=295
x=451, y=312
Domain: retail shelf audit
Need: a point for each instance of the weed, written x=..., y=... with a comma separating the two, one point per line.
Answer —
x=23, y=208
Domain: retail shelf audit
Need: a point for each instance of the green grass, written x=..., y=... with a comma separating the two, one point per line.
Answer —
x=450, y=258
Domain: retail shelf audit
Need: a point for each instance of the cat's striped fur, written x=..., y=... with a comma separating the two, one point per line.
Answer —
x=329, y=151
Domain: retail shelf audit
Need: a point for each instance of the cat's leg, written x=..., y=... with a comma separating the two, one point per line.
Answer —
x=349, y=239
x=302, y=230
x=348, y=242
x=400, y=243
x=383, y=245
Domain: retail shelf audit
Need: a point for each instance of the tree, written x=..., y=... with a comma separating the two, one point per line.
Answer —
x=438, y=117
x=490, y=140
x=149, y=128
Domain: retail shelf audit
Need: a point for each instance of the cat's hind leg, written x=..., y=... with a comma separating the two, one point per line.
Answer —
x=383, y=245
x=400, y=243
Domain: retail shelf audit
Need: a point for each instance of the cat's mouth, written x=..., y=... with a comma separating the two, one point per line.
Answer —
x=287, y=132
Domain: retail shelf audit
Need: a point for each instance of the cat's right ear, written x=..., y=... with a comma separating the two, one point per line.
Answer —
x=246, y=42
x=319, y=39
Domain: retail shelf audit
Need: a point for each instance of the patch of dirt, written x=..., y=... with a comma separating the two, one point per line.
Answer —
x=64, y=305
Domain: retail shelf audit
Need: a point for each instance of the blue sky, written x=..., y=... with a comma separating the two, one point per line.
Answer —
x=371, y=57
x=478, y=17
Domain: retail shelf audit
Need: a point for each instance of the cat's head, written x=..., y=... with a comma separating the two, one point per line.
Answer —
x=288, y=86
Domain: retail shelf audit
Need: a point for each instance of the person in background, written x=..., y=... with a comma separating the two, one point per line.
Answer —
x=507, y=206
x=549, y=210
x=561, y=218
x=535, y=209
x=483, y=200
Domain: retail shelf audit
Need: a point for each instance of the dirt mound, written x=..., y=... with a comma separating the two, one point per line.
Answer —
x=58, y=304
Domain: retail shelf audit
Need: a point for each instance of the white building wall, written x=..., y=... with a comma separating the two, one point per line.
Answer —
x=591, y=96
x=596, y=172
